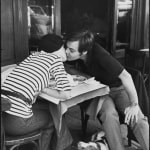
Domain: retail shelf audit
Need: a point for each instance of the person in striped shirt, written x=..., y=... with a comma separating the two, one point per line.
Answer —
x=26, y=81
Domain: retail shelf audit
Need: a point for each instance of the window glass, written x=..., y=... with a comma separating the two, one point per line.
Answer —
x=83, y=14
x=39, y=21
x=124, y=13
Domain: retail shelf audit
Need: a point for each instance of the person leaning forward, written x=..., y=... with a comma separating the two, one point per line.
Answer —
x=98, y=63
x=24, y=84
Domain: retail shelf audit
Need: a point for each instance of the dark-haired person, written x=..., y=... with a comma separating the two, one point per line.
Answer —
x=123, y=98
x=24, y=84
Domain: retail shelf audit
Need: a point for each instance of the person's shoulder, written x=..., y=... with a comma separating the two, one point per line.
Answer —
x=97, y=48
x=56, y=58
x=53, y=57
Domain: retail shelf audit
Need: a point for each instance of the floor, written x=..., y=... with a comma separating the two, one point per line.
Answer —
x=73, y=119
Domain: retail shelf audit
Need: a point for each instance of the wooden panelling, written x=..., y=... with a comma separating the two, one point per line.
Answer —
x=20, y=29
x=7, y=32
x=14, y=32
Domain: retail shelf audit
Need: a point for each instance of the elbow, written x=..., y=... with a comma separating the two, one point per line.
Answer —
x=66, y=94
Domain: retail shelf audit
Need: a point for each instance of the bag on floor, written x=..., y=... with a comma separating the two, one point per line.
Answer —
x=98, y=142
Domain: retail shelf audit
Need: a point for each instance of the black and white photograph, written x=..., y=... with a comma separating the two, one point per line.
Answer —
x=75, y=75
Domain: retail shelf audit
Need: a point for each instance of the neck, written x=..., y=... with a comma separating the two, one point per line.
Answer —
x=61, y=53
x=83, y=57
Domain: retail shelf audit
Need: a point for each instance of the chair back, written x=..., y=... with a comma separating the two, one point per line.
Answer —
x=5, y=103
x=33, y=138
x=135, y=59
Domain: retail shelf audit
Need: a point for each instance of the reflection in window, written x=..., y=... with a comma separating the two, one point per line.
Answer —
x=123, y=23
x=39, y=21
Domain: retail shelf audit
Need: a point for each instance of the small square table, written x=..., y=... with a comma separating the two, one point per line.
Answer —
x=79, y=94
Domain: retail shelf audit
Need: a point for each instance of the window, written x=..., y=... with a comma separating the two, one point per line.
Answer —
x=40, y=21
x=124, y=12
x=83, y=14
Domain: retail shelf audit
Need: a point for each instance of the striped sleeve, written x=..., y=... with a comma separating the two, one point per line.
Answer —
x=60, y=75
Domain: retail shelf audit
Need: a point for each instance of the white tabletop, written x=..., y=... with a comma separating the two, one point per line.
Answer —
x=80, y=93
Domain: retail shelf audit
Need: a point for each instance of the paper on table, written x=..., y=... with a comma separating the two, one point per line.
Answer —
x=76, y=90
x=85, y=88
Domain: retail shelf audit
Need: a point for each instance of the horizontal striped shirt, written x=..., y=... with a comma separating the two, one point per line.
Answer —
x=31, y=76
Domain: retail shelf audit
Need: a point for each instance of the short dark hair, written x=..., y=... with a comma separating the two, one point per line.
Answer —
x=85, y=39
x=50, y=43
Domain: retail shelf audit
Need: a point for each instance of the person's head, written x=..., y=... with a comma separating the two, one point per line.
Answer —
x=77, y=44
x=52, y=43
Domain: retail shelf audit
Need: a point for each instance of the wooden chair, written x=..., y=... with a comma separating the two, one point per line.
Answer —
x=5, y=105
x=16, y=141
x=11, y=142
x=85, y=118
x=143, y=102
x=136, y=59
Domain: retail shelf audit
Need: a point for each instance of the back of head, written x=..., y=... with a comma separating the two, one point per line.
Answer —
x=85, y=38
x=50, y=43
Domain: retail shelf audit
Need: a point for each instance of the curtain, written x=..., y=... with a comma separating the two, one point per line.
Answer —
x=146, y=27
x=139, y=25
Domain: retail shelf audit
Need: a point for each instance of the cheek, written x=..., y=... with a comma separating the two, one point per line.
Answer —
x=74, y=56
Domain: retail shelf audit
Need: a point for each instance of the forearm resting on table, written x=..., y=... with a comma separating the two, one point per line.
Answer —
x=57, y=94
x=129, y=86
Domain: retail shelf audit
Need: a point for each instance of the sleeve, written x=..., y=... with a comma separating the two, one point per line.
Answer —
x=108, y=62
x=60, y=75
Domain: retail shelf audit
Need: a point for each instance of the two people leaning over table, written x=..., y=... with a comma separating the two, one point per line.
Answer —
x=123, y=99
x=22, y=87
x=32, y=76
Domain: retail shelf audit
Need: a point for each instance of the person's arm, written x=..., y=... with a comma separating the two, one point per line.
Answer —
x=129, y=86
x=131, y=112
x=57, y=94
x=63, y=86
